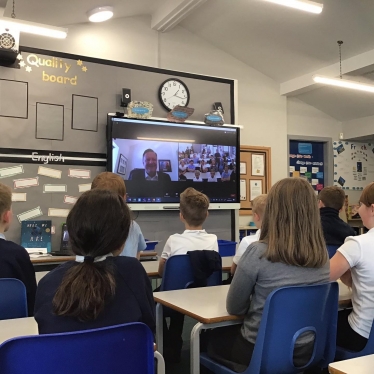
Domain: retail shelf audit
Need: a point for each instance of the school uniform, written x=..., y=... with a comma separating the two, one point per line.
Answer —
x=354, y=327
x=244, y=244
x=135, y=241
x=132, y=301
x=335, y=230
x=15, y=263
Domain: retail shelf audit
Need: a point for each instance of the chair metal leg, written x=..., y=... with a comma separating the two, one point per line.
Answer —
x=160, y=363
x=159, y=328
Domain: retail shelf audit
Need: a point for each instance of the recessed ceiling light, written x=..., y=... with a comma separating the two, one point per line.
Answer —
x=100, y=14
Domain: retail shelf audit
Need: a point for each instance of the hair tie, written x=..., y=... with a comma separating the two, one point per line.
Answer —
x=89, y=259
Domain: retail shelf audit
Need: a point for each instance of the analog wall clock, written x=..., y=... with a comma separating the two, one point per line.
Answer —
x=173, y=92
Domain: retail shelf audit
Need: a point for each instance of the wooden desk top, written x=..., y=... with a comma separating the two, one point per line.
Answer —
x=60, y=259
x=360, y=365
x=11, y=328
x=193, y=302
x=151, y=267
x=206, y=305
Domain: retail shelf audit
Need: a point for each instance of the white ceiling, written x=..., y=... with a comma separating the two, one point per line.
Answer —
x=280, y=42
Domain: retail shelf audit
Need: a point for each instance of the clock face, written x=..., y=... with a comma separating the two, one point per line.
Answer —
x=174, y=92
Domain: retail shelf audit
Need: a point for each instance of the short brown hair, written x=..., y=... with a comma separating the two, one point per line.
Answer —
x=332, y=197
x=367, y=195
x=5, y=198
x=194, y=206
x=111, y=182
x=291, y=226
x=258, y=204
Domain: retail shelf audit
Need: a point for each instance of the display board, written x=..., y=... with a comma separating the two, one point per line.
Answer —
x=53, y=115
x=353, y=164
x=306, y=160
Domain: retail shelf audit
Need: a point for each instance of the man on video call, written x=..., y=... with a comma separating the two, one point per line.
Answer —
x=149, y=173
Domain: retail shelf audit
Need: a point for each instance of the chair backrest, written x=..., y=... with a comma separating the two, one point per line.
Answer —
x=288, y=312
x=13, y=300
x=331, y=249
x=178, y=274
x=118, y=349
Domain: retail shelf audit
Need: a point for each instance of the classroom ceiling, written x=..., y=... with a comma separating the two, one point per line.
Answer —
x=280, y=42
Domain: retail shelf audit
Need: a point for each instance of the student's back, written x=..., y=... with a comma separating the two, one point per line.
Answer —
x=14, y=260
x=335, y=230
x=99, y=288
x=132, y=301
x=15, y=263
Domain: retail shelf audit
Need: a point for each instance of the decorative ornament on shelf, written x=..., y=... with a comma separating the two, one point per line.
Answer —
x=180, y=113
x=214, y=117
x=139, y=109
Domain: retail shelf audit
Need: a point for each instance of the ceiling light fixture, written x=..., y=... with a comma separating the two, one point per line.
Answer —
x=306, y=5
x=340, y=82
x=100, y=14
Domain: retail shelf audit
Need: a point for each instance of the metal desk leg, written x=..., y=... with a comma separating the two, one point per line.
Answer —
x=159, y=328
x=160, y=363
x=195, y=342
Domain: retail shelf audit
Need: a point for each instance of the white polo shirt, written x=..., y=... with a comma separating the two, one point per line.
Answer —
x=244, y=244
x=190, y=240
x=359, y=252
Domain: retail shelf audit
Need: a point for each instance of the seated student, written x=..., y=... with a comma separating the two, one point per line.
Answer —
x=291, y=252
x=258, y=208
x=203, y=167
x=225, y=175
x=100, y=288
x=14, y=260
x=197, y=177
x=212, y=177
x=193, y=212
x=135, y=241
x=353, y=263
x=335, y=230
x=190, y=166
x=182, y=167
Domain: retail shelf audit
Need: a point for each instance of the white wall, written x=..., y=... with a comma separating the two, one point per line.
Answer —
x=303, y=119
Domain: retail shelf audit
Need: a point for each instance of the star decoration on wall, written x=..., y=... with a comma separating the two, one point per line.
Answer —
x=19, y=57
x=84, y=68
x=22, y=64
x=79, y=62
x=28, y=69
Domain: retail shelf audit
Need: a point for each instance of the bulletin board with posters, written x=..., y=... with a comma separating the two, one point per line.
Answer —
x=353, y=164
x=306, y=160
x=255, y=175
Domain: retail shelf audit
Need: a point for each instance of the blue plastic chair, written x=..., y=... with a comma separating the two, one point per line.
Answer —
x=346, y=354
x=13, y=299
x=178, y=274
x=331, y=249
x=122, y=349
x=288, y=312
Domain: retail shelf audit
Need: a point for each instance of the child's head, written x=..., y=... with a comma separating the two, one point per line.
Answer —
x=226, y=168
x=191, y=162
x=193, y=207
x=111, y=182
x=331, y=197
x=258, y=208
x=197, y=174
x=291, y=225
x=366, y=210
x=5, y=207
x=98, y=225
x=212, y=173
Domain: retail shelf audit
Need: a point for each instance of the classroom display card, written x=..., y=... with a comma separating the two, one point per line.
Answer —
x=353, y=164
x=32, y=213
x=9, y=172
x=36, y=235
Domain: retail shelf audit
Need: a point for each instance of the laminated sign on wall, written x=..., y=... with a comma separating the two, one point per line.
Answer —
x=353, y=164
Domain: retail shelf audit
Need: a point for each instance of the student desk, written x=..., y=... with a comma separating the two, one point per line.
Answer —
x=151, y=267
x=11, y=328
x=359, y=365
x=208, y=306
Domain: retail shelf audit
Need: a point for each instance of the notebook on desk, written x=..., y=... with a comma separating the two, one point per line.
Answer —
x=65, y=249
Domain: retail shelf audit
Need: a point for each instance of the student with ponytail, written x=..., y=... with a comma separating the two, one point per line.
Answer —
x=99, y=288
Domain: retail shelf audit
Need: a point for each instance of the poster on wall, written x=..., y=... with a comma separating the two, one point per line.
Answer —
x=353, y=164
x=306, y=160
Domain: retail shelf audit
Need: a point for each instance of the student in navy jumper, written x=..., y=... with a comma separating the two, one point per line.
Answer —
x=14, y=260
x=100, y=288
